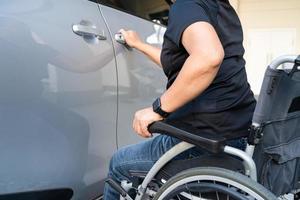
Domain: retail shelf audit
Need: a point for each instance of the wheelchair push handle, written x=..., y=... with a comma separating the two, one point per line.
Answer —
x=285, y=59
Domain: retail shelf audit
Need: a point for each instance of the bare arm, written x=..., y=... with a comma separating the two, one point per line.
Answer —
x=134, y=41
x=199, y=70
x=151, y=51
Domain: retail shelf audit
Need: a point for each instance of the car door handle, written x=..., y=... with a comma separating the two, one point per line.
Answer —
x=90, y=31
x=120, y=38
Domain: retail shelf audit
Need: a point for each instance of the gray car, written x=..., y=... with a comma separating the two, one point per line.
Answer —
x=69, y=89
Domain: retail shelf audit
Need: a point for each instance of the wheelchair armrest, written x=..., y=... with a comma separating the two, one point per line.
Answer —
x=210, y=142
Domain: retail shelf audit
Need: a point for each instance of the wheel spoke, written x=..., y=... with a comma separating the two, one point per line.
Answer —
x=217, y=193
x=178, y=197
x=213, y=184
x=188, y=191
x=227, y=194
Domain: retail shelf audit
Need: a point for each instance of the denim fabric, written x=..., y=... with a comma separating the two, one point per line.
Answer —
x=142, y=156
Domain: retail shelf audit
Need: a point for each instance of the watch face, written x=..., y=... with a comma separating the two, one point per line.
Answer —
x=156, y=105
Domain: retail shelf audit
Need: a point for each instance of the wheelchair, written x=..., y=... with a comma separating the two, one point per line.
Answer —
x=268, y=169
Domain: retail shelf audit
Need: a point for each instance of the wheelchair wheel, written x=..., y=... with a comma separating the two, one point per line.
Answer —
x=214, y=184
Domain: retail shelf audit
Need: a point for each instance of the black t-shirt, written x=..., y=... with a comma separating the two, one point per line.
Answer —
x=230, y=88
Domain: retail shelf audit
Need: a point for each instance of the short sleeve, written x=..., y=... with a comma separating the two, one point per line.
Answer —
x=182, y=14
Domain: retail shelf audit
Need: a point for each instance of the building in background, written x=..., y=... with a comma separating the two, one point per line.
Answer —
x=271, y=28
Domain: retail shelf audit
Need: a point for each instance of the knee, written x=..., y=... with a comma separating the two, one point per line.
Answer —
x=113, y=162
x=114, y=166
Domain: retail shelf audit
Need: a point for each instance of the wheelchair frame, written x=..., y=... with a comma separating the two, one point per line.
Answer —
x=250, y=167
x=245, y=156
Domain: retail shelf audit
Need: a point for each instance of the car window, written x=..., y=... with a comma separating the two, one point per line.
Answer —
x=154, y=10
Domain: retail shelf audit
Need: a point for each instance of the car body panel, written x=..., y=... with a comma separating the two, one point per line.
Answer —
x=58, y=98
x=140, y=80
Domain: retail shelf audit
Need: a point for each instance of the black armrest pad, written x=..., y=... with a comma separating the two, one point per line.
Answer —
x=212, y=143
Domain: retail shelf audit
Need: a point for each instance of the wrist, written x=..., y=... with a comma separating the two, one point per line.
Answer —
x=157, y=108
x=165, y=104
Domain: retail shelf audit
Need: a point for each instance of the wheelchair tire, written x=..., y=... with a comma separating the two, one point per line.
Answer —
x=212, y=183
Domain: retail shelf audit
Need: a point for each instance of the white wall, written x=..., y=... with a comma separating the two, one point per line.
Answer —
x=235, y=4
x=271, y=28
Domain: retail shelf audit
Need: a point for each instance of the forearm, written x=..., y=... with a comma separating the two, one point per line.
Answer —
x=150, y=51
x=195, y=76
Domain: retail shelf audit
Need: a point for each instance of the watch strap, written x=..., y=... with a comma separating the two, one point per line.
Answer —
x=157, y=108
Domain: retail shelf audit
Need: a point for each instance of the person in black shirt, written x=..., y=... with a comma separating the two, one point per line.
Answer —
x=202, y=56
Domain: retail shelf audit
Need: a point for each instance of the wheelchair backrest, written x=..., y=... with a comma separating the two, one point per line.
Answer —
x=277, y=116
x=279, y=95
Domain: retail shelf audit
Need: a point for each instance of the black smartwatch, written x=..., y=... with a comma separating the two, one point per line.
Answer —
x=157, y=108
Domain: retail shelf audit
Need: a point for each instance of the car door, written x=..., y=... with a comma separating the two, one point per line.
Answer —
x=58, y=102
x=140, y=80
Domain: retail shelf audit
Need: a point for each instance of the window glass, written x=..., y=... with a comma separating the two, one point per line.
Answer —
x=154, y=10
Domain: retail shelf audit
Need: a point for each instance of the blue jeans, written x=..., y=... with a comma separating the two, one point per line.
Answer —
x=142, y=156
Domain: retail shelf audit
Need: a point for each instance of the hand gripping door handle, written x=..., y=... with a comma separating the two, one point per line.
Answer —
x=120, y=38
x=90, y=31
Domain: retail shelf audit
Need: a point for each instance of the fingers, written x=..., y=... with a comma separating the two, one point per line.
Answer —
x=144, y=129
x=126, y=33
x=142, y=119
x=122, y=31
x=141, y=128
x=136, y=127
x=131, y=37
